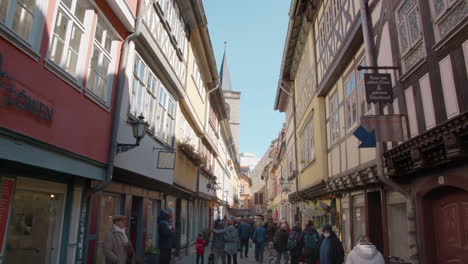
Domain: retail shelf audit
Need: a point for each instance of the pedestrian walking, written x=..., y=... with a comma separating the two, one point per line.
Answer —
x=364, y=253
x=295, y=243
x=231, y=243
x=166, y=236
x=200, y=244
x=310, y=238
x=330, y=248
x=116, y=247
x=217, y=247
x=259, y=238
x=245, y=233
x=281, y=244
x=271, y=230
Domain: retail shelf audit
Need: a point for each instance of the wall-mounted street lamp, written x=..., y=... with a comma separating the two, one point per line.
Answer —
x=139, y=131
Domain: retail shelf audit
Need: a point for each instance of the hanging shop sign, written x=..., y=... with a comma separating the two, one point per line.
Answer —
x=12, y=95
x=386, y=127
x=6, y=195
x=378, y=87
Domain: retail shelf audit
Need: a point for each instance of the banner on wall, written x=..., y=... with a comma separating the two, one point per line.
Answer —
x=6, y=195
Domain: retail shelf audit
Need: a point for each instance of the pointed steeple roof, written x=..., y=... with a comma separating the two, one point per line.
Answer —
x=225, y=76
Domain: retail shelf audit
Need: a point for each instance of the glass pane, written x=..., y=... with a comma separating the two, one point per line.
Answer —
x=3, y=9
x=99, y=33
x=101, y=92
x=67, y=3
x=110, y=206
x=397, y=228
x=136, y=65
x=91, y=82
x=80, y=12
x=105, y=67
x=414, y=25
x=359, y=218
x=56, y=49
x=75, y=39
x=22, y=21
x=439, y=6
x=108, y=44
x=28, y=4
x=60, y=29
x=36, y=218
x=94, y=64
x=72, y=61
x=403, y=37
x=405, y=8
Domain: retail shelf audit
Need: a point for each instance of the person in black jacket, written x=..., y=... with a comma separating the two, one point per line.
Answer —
x=330, y=248
x=281, y=244
x=310, y=237
x=296, y=252
x=166, y=236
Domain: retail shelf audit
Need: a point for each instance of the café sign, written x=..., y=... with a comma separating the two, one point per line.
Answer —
x=378, y=87
x=21, y=99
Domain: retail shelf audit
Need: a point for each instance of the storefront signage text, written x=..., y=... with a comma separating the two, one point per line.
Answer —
x=20, y=99
x=378, y=87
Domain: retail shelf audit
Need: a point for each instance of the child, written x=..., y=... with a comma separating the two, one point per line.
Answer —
x=200, y=248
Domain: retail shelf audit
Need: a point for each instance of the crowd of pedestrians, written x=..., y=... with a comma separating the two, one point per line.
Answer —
x=230, y=237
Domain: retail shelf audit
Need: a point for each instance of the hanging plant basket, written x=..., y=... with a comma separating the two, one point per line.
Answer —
x=191, y=153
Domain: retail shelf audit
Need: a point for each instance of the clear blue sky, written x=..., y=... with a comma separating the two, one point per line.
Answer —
x=255, y=31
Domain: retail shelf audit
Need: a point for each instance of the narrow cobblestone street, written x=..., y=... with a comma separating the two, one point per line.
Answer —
x=190, y=257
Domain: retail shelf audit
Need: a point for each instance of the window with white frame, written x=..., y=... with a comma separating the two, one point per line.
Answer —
x=67, y=36
x=187, y=134
x=242, y=189
x=25, y=18
x=365, y=108
x=99, y=80
x=409, y=33
x=150, y=98
x=307, y=144
x=334, y=118
x=351, y=108
x=197, y=78
x=447, y=14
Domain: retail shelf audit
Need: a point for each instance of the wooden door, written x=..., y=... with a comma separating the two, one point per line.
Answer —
x=450, y=225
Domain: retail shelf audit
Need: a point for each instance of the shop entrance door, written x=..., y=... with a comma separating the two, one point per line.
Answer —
x=35, y=227
x=374, y=218
x=450, y=225
x=136, y=225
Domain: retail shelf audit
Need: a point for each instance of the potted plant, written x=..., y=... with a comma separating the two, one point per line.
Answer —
x=190, y=151
x=151, y=254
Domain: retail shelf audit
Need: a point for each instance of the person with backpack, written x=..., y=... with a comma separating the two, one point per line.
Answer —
x=231, y=242
x=295, y=243
x=281, y=244
x=259, y=238
x=330, y=248
x=310, y=237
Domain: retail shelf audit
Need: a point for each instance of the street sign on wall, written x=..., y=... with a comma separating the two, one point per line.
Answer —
x=378, y=87
x=387, y=127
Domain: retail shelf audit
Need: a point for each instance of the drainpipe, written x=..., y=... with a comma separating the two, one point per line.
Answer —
x=369, y=45
x=207, y=97
x=118, y=105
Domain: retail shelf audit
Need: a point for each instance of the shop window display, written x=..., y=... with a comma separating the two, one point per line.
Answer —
x=110, y=206
x=359, y=218
x=35, y=227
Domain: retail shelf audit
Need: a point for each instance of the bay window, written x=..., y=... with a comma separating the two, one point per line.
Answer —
x=99, y=80
x=67, y=36
x=447, y=15
x=150, y=98
x=409, y=33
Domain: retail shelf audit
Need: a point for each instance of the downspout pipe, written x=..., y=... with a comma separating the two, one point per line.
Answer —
x=118, y=105
x=207, y=97
x=369, y=46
